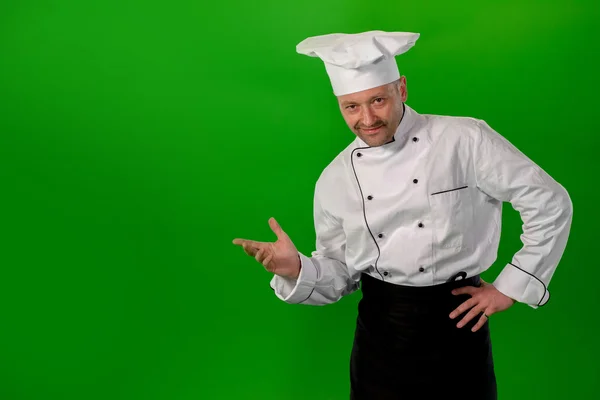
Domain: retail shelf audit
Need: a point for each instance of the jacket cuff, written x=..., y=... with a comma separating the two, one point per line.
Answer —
x=522, y=286
x=295, y=291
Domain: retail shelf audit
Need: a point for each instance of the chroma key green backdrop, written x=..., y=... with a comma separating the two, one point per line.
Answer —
x=138, y=138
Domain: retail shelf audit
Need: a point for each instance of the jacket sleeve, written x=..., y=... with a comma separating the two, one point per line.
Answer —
x=506, y=174
x=324, y=277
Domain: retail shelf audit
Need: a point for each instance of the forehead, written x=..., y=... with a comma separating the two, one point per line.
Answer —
x=365, y=95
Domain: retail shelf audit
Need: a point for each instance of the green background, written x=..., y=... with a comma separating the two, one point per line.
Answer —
x=138, y=138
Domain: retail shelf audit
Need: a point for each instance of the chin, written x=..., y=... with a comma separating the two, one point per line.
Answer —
x=376, y=140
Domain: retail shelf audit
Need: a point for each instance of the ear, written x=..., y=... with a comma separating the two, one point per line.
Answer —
x=403, y=90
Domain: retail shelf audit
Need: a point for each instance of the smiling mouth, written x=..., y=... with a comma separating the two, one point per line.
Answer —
x=371, y=130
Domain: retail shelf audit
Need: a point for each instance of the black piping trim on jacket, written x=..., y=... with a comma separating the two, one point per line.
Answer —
x=545, y=289
x=450, y=190
x=308, y=297
x=300, y=302
x=362, y=196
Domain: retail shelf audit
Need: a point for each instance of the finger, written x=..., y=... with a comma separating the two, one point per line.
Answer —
x=276, y=228
x=465, y=290
x=470, y=315
x=267, y=260
x=249, y=246
x=260, y=255
x=251, y=243
x=250, y=250
x=463, y=307
x=239, y=242
x=482, y=320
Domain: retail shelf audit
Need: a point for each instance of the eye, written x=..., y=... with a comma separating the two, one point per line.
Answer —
x=379, y=100
x=351, y=107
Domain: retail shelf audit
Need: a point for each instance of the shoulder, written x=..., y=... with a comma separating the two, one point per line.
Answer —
x=453, y=128
x=333, y=175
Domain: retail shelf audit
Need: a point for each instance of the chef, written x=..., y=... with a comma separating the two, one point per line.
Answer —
x=409, y=213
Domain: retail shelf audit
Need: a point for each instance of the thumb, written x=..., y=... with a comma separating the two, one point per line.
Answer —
x=276, y=228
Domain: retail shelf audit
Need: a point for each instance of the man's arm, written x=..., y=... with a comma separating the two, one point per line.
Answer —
x=324, y=277
x=506, y=174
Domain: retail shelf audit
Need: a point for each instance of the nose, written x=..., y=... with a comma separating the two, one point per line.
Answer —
x=368, y=117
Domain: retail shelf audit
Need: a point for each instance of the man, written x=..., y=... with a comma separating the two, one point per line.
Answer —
x=410, y=213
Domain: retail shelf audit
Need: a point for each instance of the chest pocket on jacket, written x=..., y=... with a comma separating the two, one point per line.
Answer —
x=452, y=214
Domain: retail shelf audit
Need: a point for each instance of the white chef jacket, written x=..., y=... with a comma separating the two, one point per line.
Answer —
x=427, y=206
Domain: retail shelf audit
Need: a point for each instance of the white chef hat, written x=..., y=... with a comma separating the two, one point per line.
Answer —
x=359, y=61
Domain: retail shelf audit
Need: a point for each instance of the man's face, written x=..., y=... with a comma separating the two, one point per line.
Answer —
x=374, y=114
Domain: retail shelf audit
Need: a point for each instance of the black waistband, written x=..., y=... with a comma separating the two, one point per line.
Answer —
x=375, y=287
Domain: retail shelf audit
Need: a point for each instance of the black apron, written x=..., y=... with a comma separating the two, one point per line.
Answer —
x=407, y=347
